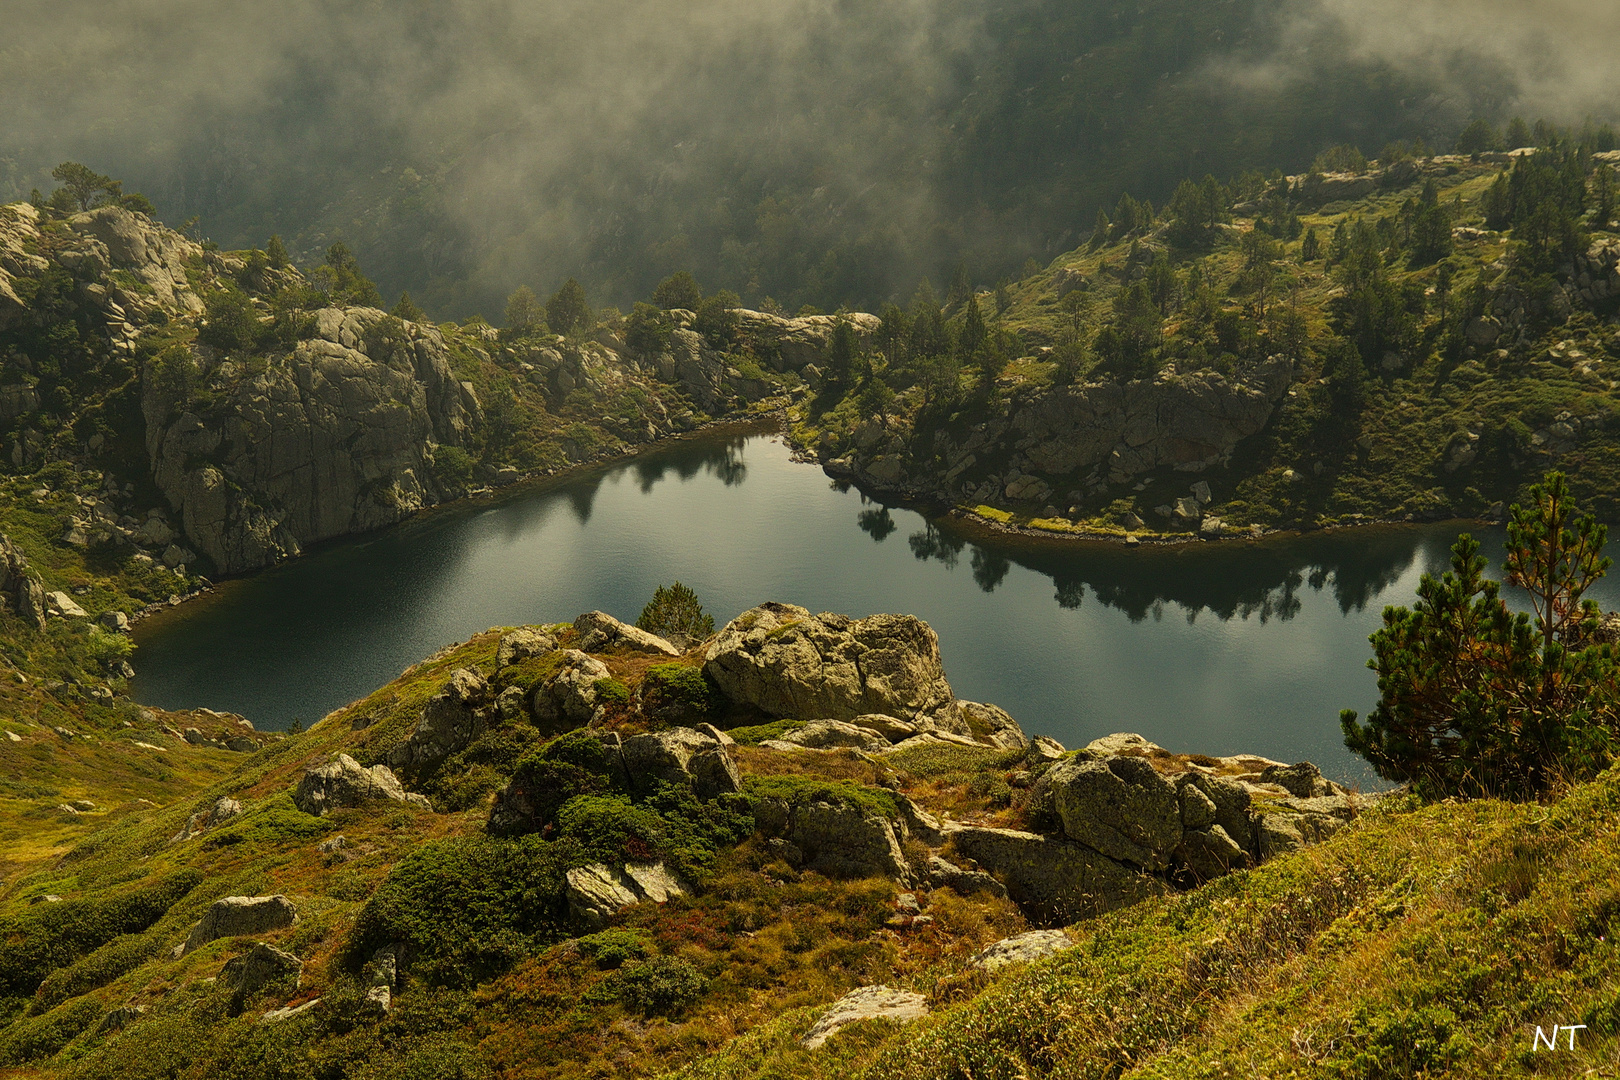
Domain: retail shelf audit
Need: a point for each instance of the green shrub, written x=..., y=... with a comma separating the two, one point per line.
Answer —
x=610, y=828
x=799, y=790
x=41, y=1036
x=662, y=986
x=613, y=692
x=612, y=948
x=674, y=692
x=34, y=944
x=273, y=823
x=452, y=465
x=755, y=734
x=546, y=785
x=119, y=956
x=466, y=909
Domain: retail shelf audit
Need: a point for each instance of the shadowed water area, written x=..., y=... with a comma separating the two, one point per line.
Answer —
x=1208, y=648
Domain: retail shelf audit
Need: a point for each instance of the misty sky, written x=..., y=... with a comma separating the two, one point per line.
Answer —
x=484, y=143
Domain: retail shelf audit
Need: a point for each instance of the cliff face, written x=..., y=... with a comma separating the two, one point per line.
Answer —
x=335, y=437
x=1048, y=439
x=336, y=419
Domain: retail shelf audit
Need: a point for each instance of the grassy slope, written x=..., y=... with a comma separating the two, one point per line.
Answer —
x=1418, y=942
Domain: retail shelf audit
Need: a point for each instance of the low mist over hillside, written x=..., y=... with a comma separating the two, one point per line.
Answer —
x=825, y=153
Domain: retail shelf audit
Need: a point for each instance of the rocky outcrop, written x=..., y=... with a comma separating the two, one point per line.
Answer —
x=334, y=437
x=450, y=720
x=597, y=892
x=568, y=699
x=786, y=662
x=21, y=591
x=1058, y=443
x=260, y=969
x=343, y=782
x=1055, y=881
x=235, y=916
x=222, y=810
x=524, y=643
x=834, y=837
x=866, y=1003
x=793, y=344
x=600, y=632
x=680, y=756
x=1021, y=949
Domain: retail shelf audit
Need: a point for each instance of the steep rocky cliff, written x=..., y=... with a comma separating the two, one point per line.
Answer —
x=306, y=418
x=335, y=436
x=1058, y=444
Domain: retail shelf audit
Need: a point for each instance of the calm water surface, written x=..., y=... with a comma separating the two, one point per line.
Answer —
x=1213, y=648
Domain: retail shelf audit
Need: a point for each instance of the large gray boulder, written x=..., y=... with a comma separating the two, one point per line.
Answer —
x=993, y=724
x=831, y=734
x=523, y=643
x=235, y=916
x=784, y=661
x=344, y=782
x=597, y=892
x=680, y=756
x=599, y=632
x=1054, y=881
x=567, y=700
x=1022, y=948
x=262, y=968
x=219, y=811
x=866, y=1003
x=835, y=838
x=1118, y=806
x=450, y=721
x=20, y=591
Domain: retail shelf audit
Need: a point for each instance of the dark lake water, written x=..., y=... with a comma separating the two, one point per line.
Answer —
x=1209, y=648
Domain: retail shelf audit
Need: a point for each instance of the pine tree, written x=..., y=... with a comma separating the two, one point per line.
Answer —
x=407, y=310
x=1310, y=249
x=1431, y=228
x=679, y=290
x=276, y=253
x=970, y=342
x=675, y=610
x=1518, y=134
x=1477, y=700
x=1100, y=231
x=568, y=310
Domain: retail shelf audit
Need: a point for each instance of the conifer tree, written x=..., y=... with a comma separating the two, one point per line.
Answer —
x=407, y=310
x=276, y=254
x=567, y=310
x=1478, y=700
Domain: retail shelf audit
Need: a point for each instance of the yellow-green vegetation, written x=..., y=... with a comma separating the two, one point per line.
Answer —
x=1420, y=942
x=497, y=979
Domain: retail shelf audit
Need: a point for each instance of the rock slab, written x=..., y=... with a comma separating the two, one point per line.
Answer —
x=866, y=1003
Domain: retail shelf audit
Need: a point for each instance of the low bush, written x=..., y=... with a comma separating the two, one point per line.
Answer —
x=662, y=986
x=465, y=909
x=119, y=956
x=799, y=790
x=679, y=693
x=34, y=944
x=612, y=948
x=42, y=1036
